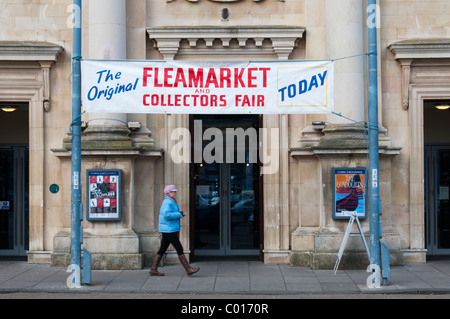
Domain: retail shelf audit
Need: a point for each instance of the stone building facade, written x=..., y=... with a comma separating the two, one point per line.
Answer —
x=291, y=219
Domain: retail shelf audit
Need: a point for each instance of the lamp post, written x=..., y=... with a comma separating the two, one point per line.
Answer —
x=76, y=204
x=379, y=252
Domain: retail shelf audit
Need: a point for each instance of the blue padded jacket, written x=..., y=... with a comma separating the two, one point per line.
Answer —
x=169, y=216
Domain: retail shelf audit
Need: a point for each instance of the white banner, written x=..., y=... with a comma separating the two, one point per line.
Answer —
x=207, y=87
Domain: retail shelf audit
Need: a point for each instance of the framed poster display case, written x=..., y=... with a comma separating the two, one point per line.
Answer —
x=349, y=192
x=103, y=194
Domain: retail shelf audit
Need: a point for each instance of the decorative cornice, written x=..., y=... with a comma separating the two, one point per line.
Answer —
x=29, y=51
x=130, y=152
x=43, y=53
x=421, y=49
x=284, y=39
x=225, y=1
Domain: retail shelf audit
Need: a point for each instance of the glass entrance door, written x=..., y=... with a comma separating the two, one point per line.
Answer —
x=437, y=209
x=13, y=200
x=226, y=198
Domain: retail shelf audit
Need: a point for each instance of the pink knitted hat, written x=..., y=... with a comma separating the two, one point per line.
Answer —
x=170, y=188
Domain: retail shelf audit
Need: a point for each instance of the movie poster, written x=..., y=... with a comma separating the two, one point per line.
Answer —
x=349, y=190
x=103, y=195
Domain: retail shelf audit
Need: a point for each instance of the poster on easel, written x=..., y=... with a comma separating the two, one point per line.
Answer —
x=103, y=194
x=349, y=192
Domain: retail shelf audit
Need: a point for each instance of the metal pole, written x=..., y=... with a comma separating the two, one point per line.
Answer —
x=76, y=208
x=374, y=194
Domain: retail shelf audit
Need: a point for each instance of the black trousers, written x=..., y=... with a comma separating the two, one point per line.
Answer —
x=170, y=238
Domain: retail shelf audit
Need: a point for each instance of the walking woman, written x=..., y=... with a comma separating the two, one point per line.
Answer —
x=169, y=226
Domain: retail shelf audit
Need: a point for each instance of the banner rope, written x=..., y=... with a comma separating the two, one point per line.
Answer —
x=76, y=121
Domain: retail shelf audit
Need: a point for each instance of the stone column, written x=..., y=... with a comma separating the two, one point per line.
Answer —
x=108, y=145
x=344, y=34
x=107, y=40
x=345, y=44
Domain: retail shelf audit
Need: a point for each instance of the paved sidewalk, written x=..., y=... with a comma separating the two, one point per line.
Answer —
x=229, y=277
